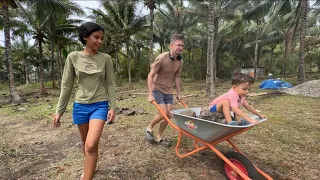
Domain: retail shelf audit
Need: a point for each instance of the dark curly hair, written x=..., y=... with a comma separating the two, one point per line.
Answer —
x=239, y=78
x=86, y=29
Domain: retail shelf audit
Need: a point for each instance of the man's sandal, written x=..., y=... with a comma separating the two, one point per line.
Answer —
x=150, y=136
x=164, y=142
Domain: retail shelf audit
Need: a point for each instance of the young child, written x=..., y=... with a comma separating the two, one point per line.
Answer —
x=234, y=98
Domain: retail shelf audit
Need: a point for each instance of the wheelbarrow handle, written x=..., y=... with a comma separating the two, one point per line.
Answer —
x=183, y=103
x=165, y=116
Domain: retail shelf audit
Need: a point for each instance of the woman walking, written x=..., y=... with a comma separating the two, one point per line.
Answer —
x=95, y=97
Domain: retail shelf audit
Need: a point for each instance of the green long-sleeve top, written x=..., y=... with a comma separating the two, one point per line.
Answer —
x=94, y=76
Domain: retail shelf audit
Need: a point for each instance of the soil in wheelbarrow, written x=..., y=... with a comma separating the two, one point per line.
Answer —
x=207, y=115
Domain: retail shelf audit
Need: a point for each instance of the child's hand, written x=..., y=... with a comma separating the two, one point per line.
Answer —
x=253, y=121
x=262, y=116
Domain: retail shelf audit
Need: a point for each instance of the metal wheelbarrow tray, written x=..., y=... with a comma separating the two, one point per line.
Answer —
x=236, y=165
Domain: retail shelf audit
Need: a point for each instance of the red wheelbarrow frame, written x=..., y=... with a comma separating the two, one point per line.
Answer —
x=210, y=145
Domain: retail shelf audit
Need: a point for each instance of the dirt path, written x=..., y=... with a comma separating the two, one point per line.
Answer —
x=34, y=150
x=30, y=149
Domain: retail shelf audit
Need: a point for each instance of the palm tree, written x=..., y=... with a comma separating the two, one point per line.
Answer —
x=5, y=13
x=301, y=66
x=38, y=22
x=122, y=23
x=62, y=27
x=178, y=18
x=161, y=34
x=151, y=4
x=257, y=13
x=22, y=51
x=62, y=41
x=210, y=52
x=59, y=32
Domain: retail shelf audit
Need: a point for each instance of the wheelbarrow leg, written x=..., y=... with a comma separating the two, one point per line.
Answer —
x=190, y=153
x=239, y=151
x=196, y=144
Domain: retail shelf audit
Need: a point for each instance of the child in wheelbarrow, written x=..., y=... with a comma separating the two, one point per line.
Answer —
x=234, y=99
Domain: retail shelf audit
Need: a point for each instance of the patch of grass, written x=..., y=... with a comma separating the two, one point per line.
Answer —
x=3, y=86
x=4, y=89
x=35, y=109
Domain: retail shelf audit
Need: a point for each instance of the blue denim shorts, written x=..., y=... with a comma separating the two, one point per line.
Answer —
x=82, y=113
x=213, y=108
x=162, y=98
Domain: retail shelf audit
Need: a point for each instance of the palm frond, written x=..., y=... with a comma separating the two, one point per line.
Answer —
x=51, y=6
x=314, y=31
x=258, y=11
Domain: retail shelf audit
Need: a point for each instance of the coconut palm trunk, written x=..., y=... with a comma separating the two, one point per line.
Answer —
x=54, y=85
x=117, y=67
x=301, y=65
x=25, y=66
x=210, y=52
x=256, y=56
x=151, y=6
x=7, y=54
x=129, y=64
x=41, y=73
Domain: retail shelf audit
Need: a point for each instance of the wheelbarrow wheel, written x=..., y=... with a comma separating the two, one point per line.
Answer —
x=242, y=163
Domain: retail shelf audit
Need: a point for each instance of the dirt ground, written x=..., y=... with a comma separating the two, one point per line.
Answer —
x=285, y=147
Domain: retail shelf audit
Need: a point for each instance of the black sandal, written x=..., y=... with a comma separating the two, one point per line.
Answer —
x=164, y=142
x=150, y=136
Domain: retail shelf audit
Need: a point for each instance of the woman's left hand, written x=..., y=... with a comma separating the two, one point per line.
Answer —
x=111, y=115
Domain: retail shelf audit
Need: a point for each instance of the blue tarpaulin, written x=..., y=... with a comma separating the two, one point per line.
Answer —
x=274, y=84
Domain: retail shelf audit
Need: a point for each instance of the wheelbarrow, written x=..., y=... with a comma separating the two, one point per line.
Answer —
x=206, y=134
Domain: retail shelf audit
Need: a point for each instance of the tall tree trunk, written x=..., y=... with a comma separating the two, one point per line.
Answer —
x=129, y=64
x=217, y=62
x=285, y=59
x=188, y=64
x=318, y=65
x=256, y=52
x=192, y=64
x=256, y=57
x=210, y=51
x=271, y=59
x=61, y=62
x=139, y=60
x=215, y=48
x=15, y=97
x=54, y=85
x=201, y=64
x=59, y=66
x=38, y=73
x=41, y=73
x=25, y=65
x=151, y=5
x=301, y=68
x=287, y=47
x=117, y=67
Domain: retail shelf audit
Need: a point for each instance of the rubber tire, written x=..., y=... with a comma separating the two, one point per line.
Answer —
x=253, y=173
